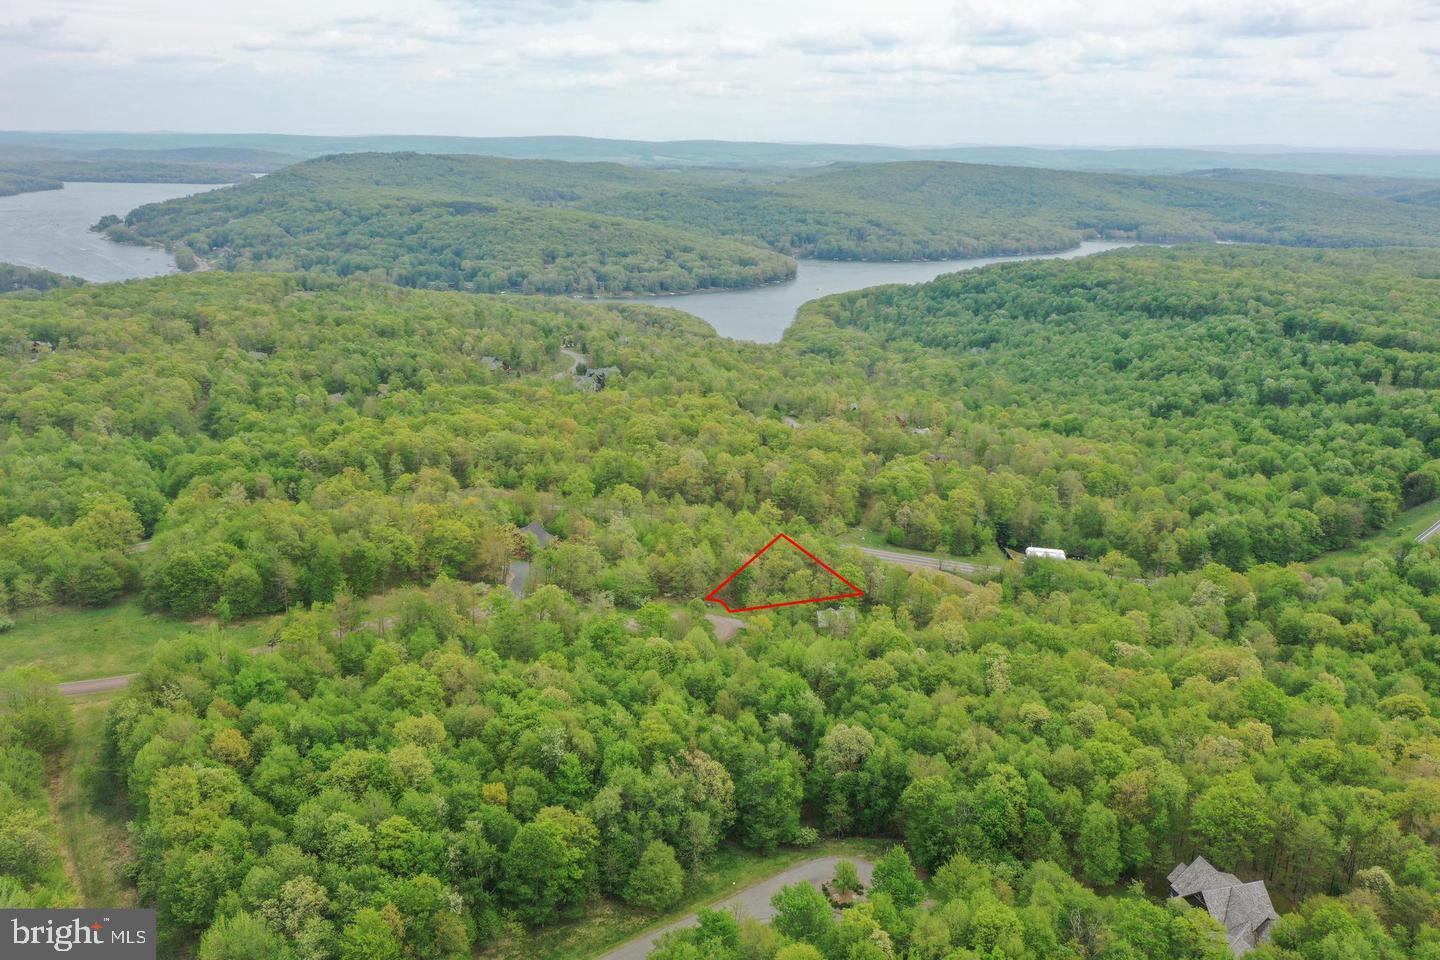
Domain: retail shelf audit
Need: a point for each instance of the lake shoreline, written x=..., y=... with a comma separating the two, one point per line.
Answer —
x=762, y=314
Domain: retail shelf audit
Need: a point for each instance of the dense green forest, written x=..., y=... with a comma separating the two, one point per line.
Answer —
x=479, y=764
x=13, y=183
x=493, y=225
x=15, y=278
x=1250, y=405
x=958, y=426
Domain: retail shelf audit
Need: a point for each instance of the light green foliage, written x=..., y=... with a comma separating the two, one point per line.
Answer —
x=895, y=877
x=1099, y=844
x=846, y=879
x=657, y=882
x=35, y=724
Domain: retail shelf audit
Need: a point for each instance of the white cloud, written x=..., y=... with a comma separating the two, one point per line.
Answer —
x=46, y=33
x=1210, y=71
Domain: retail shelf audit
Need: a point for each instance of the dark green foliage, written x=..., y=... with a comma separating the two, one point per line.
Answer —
x=532, y=226
x=13, y=183
x=451, y=223
x=15, y=278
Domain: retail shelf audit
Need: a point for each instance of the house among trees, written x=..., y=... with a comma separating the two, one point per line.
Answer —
x=1243, y=909
x=596, y=378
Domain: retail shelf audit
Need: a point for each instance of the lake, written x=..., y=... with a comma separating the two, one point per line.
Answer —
x=761, y=314
x=51, y=229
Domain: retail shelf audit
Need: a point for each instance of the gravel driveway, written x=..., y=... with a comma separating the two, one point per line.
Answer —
x=753, y=901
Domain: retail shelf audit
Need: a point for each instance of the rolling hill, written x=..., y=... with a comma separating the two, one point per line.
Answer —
x=492, y=224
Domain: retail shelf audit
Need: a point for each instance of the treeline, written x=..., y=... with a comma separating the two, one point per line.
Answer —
x=490, y=225
x=53, y=162
x=13, y=183
x=15, y=278
x=35, y=725
x=119, y=171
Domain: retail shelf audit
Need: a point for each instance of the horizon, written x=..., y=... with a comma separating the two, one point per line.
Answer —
x=1233, y=148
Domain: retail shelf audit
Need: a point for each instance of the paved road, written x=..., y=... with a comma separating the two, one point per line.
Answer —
x=77, y=688
x=1433, y=529
x=753, y=901
x=934, y=563
x=575, y=360
x=517, y=577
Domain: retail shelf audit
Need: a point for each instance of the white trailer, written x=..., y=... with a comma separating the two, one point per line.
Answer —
x=1044, y=553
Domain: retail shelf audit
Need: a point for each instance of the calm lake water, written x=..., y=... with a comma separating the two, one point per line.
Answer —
x=763, y=313
x=51, y=229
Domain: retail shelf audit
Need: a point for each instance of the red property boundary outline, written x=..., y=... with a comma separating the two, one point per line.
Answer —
x=712, y=596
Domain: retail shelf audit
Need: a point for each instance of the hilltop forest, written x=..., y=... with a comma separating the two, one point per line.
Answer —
x=1042, y=744
x=484, y=224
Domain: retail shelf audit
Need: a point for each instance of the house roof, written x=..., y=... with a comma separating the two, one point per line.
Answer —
x=1243, y=909
x=1186, y=880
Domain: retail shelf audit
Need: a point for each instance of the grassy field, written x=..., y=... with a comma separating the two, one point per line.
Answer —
x=610, y=924
x=1403, y=529
x=91, y=820
x=80, y=644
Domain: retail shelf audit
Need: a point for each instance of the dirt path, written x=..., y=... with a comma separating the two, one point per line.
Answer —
x=753, y=901
x=78, y=688
x=725, y=627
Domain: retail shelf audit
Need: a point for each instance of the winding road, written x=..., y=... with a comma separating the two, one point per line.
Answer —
x=1429, y=532
x=753, y=901
x=575, y=360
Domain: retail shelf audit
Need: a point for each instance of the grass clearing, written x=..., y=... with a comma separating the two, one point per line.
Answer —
x=609, y=923
x=91, y=818
x=82, y=644
x=1406, y=526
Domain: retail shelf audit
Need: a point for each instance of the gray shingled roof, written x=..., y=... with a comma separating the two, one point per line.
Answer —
x=1188, y=880
x=1243, y=909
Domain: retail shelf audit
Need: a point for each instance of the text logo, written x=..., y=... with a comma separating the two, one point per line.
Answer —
x=111, y=934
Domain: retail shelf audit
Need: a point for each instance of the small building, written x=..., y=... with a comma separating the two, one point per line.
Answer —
x=1044, y=553
x=1243, y=909
x=596, y=378
x=840, y=620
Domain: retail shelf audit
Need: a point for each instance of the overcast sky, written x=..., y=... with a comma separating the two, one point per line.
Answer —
x=1363, y=73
